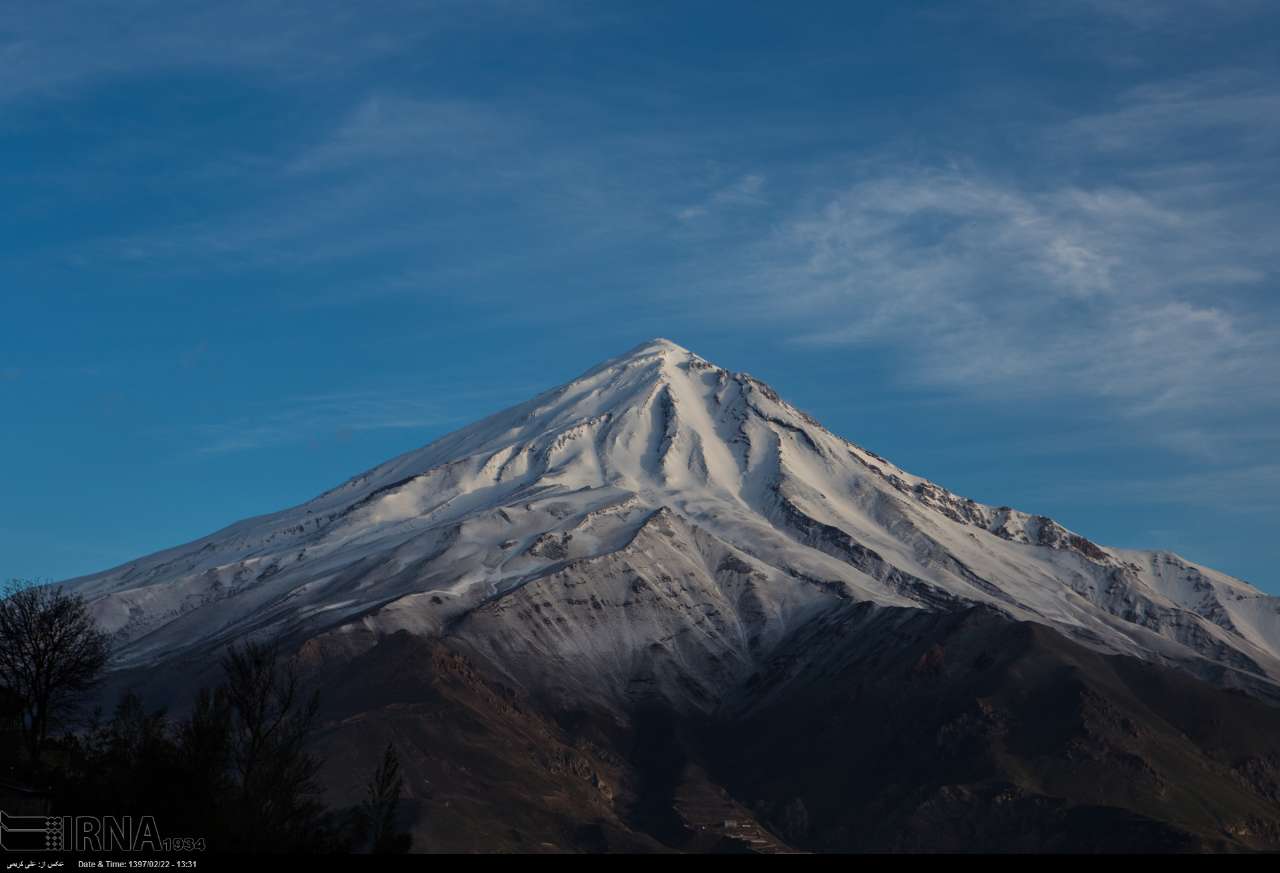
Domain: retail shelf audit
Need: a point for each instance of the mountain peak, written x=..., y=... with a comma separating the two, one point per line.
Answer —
x=659, y=357
x=658, y=468
x=656, y=346
x=665, y=343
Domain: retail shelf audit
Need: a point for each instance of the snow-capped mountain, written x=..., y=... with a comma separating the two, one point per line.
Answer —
x=658, y=526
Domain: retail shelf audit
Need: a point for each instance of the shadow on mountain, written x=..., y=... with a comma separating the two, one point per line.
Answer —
x=969, y=732
x=872, y=730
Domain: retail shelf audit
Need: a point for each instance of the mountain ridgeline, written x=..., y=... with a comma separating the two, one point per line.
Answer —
x=660, y=608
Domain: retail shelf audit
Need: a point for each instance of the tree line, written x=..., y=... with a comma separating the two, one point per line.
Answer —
x=237, y=771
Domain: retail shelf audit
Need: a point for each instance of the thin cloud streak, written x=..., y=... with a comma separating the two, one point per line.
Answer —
x=317, y=418
x=53, y=49
x=327, y=417
x=748, y=190
x=1248, y=489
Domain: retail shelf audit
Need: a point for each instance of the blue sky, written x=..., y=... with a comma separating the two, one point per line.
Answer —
x=1025, y=249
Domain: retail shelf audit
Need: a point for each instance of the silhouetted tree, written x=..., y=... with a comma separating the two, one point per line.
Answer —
x=236, y=771
x=125, y=766
x=51, y=651
x=203, y=754
x=270, y=722
x=381, y=808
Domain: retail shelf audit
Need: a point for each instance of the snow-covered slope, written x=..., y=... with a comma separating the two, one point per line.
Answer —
x=657, y=526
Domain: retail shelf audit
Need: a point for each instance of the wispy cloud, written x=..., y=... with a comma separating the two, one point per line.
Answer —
x=1148, y=14
x=323, y=417
x=46, y=49
x=289, y=227
x=340, y=414
x=1102, y=292
x=1248, y=488
x=747, y=190
x=1144, y=281
x=430, y=188
x=52, y=48
x=385, y=179
x=393, y=128
x=1165, y=120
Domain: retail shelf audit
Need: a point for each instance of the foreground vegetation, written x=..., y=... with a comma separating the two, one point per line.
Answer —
x=237, y=771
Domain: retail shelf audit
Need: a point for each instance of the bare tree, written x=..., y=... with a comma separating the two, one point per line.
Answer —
x=271, y=720
x=51, y=651
x=382, y=807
